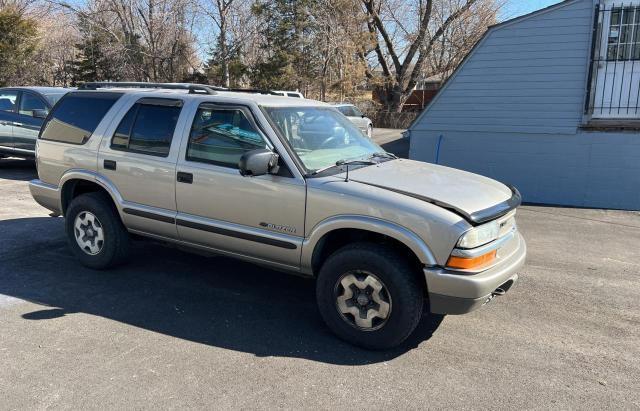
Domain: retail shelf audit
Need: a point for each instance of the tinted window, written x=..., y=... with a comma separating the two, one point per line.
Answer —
x=147, y=128
x=347, y=111
x=221, y=136
x=30, y=102
x=8, y=100
x=293, y=95
x=76, y=116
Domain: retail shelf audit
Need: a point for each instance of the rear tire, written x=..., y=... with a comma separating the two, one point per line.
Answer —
x=393, y=295
x=95, y=232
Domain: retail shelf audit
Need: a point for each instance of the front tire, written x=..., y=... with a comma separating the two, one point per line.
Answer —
x=370, y=296
x=95, y=233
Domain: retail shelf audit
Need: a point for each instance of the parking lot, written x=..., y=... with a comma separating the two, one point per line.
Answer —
x=176, y=330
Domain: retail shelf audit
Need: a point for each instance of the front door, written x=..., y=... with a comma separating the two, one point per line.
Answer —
x=617, y=90
x=8, y=105
x=31, y=112
x=257, y=217
x=138, y=156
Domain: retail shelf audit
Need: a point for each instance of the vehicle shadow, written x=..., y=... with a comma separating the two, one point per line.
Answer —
x=211, y=300
x=18, y=169
x=399, y=147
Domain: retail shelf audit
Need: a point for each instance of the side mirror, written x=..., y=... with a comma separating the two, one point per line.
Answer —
x=258, y=162
x=39, y=113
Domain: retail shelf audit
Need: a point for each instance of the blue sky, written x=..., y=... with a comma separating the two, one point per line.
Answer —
x=515, y=8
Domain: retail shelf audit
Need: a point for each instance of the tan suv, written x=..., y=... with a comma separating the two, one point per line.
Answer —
x=289, y=183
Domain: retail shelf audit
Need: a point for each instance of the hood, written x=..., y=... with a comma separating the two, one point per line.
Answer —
x=476, y=198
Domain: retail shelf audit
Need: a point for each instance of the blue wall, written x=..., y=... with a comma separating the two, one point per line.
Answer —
x=512, y=112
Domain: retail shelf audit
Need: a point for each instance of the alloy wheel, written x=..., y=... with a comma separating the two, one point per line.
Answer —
x=88, y=232
x=363, y=300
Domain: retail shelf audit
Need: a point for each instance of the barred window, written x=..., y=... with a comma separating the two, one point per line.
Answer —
x=624, y=34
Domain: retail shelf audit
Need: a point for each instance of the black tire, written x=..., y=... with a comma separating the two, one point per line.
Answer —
x=403, y=286
x=115, y=247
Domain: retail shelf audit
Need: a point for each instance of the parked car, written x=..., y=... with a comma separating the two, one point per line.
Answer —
x=354, y=115
x=290, y=184
x=22, y=112
x=295, y=94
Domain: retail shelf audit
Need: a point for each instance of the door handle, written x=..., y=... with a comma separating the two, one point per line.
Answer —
x=15, y=123
x=109, y=164
x=186, y=178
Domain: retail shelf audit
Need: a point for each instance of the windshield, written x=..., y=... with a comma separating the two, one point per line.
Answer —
x=321, y=136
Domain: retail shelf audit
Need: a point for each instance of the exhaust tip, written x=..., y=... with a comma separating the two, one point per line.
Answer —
x=498, y=292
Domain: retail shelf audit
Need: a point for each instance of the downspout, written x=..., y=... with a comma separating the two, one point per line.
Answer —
x=440, y=137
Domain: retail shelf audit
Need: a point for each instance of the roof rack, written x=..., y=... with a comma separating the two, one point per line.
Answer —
x=192, y=88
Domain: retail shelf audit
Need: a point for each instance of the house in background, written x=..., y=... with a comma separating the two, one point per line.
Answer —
x=424, y=91
x=549, y=102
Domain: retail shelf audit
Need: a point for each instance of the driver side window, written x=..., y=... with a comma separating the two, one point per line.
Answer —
x=220, y=136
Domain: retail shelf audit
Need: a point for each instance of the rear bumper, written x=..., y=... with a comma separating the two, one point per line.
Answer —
x=47, y=195
x=457, y=293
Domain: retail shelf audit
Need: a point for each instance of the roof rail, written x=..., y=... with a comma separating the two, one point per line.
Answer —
x=192, y=88
x=248, y=90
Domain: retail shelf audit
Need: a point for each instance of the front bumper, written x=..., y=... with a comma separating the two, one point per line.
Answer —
x=458, y=293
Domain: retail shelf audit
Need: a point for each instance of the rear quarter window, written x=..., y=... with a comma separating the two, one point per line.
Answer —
x=76, y=116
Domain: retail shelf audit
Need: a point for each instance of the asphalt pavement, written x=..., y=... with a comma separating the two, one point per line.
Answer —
x=177, y=330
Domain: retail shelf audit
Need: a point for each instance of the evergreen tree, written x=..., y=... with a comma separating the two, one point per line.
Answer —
x=289, y=31
x=18, y=41
x=93, y=64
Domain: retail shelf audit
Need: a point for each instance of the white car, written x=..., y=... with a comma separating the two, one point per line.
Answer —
x=295, y=94
x=356, y=117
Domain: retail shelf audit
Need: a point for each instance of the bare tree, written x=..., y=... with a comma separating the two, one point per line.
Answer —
x=148, y=39
x=219, y=11
x=402, y=45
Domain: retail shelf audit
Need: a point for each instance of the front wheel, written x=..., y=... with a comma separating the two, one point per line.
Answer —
x=369, y=295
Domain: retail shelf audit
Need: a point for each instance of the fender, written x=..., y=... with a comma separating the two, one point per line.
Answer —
x=92, y=176
x=365, y=223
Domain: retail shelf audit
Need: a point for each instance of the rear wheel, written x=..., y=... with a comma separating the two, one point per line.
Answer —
x=369, y=295
x=95, y=233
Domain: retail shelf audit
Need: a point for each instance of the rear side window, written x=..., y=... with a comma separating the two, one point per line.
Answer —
x=76, y=116
x=30, y=102
x=148, y=127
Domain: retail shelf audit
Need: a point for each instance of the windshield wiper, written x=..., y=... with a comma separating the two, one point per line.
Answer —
x=347, y=163
x=383, y=154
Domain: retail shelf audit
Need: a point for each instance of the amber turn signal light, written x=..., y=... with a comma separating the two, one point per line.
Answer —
x=461, y=263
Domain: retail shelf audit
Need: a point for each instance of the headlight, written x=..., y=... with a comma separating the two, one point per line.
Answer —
x=477, y=237
x=480, y=235
x=487, y=233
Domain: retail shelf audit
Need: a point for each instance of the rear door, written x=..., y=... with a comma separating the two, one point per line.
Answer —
x=138, y=155
x=8, y=105
x=27, y=125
